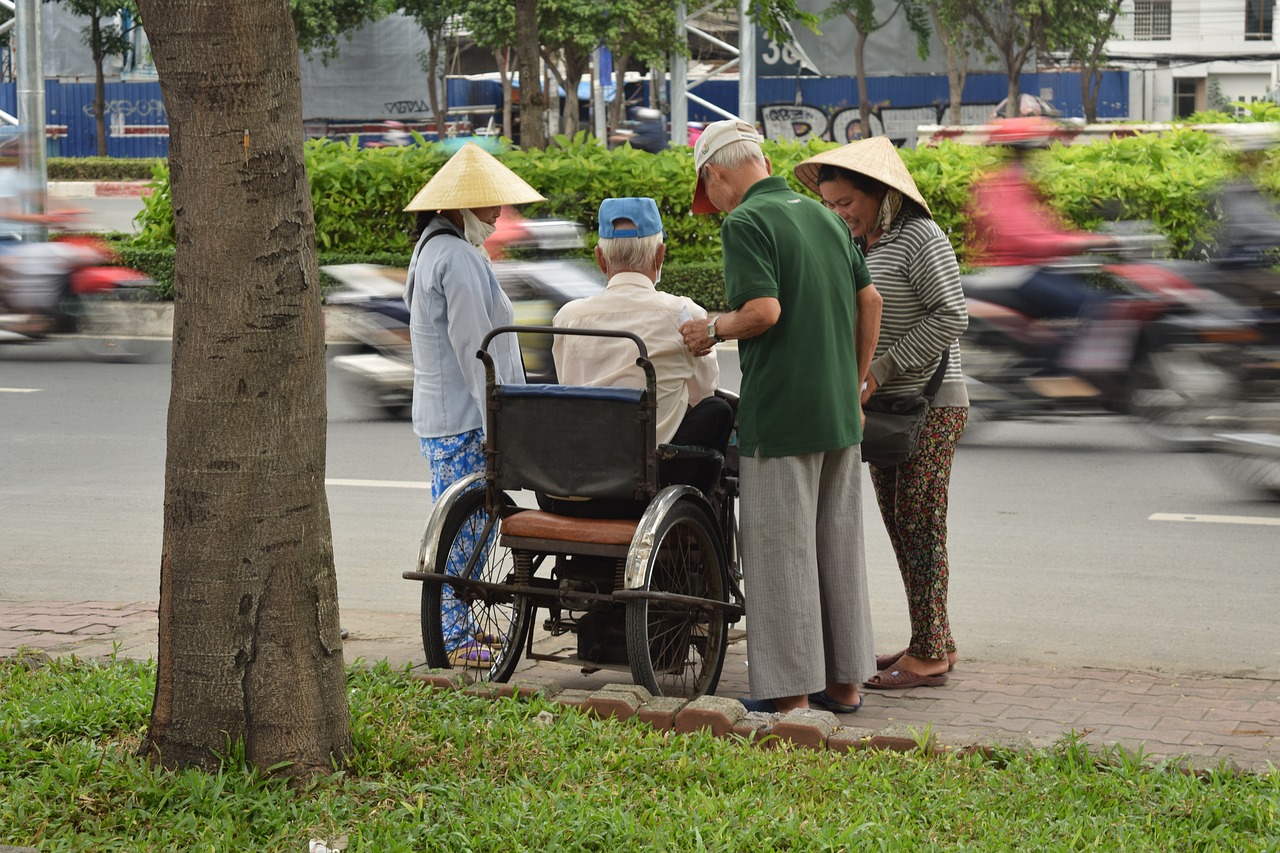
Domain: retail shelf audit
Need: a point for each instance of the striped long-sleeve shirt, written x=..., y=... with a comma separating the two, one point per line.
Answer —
x=914, y=268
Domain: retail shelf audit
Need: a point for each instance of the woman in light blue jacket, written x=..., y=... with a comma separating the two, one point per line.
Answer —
x=454, y=300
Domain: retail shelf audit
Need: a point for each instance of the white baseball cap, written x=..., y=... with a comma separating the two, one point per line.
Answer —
x=715, y=136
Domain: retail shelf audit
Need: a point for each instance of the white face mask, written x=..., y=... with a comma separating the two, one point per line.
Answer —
x=474, y=230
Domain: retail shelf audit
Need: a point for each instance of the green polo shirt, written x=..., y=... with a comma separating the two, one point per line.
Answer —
x=799, y=378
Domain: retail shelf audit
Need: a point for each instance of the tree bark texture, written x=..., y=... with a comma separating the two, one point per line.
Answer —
x=533, y=102
x=249, y=647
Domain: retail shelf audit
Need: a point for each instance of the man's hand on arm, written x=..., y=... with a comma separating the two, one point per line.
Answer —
x=755, y=317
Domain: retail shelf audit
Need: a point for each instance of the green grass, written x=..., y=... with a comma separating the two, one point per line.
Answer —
x=440, y=771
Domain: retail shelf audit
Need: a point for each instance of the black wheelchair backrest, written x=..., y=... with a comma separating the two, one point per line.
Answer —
x=572, y=440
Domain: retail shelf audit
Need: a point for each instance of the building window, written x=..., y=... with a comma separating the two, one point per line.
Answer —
x=1257, y=19
x=1151, y=19
x=1185, y=96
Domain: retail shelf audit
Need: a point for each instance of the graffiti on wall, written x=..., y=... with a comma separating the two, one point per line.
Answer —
x=802, y=122
x=121, y=110
x=143, y=108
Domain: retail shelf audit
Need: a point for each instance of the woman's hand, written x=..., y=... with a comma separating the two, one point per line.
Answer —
x=869, y=387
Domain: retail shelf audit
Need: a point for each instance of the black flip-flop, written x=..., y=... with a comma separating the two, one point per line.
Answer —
x=823, y=700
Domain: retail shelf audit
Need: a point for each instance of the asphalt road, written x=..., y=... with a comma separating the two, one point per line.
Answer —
x=1060, y=549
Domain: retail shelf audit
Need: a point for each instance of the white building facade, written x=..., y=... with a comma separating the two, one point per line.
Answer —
x=1192, y=55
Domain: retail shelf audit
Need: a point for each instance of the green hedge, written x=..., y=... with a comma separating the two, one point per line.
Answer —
x=359, y=194
x=101, y=168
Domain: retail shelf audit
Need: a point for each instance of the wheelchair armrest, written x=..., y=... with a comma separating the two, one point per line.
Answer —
x=688, y=451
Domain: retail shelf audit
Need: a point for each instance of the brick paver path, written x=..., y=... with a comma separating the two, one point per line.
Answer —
x=1205, y=718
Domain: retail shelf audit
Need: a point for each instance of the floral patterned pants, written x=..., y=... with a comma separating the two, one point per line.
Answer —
x=913, y=504
x=453, y=457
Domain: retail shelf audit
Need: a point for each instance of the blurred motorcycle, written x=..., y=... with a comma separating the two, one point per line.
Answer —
x=1156, y=344
x=1252, y=458
x=379, y=374
x=68, y=288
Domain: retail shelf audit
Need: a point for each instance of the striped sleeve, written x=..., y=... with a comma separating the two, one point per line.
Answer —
x=916, y=273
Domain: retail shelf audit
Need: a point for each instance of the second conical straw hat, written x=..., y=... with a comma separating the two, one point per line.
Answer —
x=875, y=157
x=473, y=178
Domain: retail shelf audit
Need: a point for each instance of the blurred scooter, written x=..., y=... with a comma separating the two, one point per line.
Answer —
x=1151, y=342
x=379, y=374
x=1252, y=459
x=70, y=287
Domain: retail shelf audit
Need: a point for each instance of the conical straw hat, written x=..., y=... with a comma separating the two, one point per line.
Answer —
x=473, y=178
x=875, y=157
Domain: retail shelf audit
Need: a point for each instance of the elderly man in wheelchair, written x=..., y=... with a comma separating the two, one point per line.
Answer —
x=632, y=547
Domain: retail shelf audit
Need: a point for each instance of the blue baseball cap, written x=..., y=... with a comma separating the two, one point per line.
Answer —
x=643, y=212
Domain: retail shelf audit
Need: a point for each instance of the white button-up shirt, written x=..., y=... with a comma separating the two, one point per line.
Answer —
x=631, y=303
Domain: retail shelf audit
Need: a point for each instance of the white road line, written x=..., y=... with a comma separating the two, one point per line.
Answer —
x=1215, y=519
x=380, y=484
x=17, y=390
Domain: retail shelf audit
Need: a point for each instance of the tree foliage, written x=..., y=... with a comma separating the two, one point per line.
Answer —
x=862, y=14
x=319, y=23
x=959, y=36
x=1017, y=28
x=1085, y=40
x=433, y=17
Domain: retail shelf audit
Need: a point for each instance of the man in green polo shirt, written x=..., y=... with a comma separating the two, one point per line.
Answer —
x=807, y=318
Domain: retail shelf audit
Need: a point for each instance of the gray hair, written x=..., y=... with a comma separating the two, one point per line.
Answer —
x=736, y=154
x=630, y=253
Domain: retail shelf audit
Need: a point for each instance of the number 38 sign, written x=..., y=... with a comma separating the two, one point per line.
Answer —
x=776, y=60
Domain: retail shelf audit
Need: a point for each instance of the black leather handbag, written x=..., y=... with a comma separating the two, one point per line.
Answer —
x=891, y=434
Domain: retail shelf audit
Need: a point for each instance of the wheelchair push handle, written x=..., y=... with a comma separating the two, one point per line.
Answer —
x=558, y=330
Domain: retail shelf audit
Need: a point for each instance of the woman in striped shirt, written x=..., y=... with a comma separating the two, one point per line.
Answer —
x=914, y=267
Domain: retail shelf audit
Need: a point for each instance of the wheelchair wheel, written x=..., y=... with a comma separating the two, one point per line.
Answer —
x=675, y=649
x=489, y=628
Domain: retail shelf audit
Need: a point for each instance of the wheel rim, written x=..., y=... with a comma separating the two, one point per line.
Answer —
x=678, y=650
x=489, y=628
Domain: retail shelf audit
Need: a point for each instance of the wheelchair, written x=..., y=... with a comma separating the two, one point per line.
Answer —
x=656, y=593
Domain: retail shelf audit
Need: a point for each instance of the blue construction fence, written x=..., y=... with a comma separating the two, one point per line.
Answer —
x=137, y=124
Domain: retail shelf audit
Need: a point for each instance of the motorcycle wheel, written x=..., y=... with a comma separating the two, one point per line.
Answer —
x=103, y=323
x=1175, y=391
x=1258, y=474
x=130, y=350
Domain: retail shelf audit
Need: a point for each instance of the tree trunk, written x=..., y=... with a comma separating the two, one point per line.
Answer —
x=1090, y=79
x=618, y=109
x=576, y=65
x=99, y=86
x=957, y=64
x=532, y=100
x=433, y=84
x=864, y=103
x=249, y=652
x=504, y=74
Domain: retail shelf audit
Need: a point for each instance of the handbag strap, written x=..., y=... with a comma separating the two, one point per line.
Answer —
x=935, y=381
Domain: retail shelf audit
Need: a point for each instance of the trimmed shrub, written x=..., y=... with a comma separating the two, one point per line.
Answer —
x=359, y=194
x=101, y=168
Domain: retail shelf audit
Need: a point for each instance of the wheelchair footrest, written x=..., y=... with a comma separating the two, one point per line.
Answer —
x=536, y=524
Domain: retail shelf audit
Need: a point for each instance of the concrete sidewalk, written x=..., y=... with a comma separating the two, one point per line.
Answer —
x=1206, y=720
x=98, y=189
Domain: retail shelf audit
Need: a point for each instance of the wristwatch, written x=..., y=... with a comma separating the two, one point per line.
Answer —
x=711, y=332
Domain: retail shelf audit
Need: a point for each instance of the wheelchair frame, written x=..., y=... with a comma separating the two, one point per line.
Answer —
x=671, y=574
